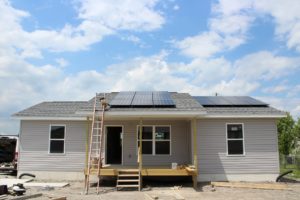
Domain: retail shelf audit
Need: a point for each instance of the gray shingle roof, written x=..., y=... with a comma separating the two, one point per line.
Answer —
x=243, y=111
x=52, y=109
x=183, y=101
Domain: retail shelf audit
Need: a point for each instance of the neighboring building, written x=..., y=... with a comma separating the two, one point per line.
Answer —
x=236, y=137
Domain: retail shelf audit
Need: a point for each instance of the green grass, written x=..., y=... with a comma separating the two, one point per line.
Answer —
x=295, y=174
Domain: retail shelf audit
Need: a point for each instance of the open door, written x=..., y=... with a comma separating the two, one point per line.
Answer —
x=113, y=145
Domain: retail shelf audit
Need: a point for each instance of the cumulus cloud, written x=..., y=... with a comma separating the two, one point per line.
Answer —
x=125, y=15
x=232, y=19
x=98, y=19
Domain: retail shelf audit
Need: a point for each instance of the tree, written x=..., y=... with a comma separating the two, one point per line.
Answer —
x=297, y=129
x=286, y=134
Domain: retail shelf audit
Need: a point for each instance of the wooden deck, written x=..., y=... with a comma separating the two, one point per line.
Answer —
x=146, y=171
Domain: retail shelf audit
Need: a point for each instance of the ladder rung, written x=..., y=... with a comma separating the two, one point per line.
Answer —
x=129, y=180
x=131, y=175
x=97, y=128
x=128, y=185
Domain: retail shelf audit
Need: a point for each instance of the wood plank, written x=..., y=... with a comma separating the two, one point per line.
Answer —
x=128, y=186
x=266, y=186
x=147, y=172
x=31, y=196
x=128, y=180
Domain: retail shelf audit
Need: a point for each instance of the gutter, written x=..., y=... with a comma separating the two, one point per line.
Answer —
x=246, y=116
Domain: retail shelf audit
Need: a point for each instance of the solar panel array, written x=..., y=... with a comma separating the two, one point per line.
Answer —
x=211, y=101
x=142, y=99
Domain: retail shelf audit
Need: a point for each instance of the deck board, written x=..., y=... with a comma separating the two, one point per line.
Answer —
x=146, y=171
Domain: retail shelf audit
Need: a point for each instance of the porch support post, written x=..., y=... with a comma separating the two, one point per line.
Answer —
x=140, y=158
x=194, y=126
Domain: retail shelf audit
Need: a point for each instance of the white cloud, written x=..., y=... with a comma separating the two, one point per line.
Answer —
x=125, y=15
x=203, y=45
x=284, y=13
x=62, y=62
x=276, y=89
x=265, y=65
x=232, y=19
x=176, y=7
x=98, y=19
x=227, y=30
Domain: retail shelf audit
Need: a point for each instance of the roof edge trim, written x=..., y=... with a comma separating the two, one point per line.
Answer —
x=246, y=116
x=49, y=118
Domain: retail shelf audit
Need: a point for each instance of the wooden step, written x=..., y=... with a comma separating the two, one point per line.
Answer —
x=128, y=171
x=129, y=180
x=127, y=175
x=119, y=186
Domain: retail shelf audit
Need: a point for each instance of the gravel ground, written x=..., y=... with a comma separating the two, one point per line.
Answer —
x=74, y=192
x=165, y=191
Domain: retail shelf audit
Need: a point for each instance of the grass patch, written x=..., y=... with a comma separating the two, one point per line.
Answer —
x=296, y=172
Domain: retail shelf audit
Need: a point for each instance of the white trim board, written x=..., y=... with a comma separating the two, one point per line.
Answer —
x=154, y=140
x=153, y=115
x=64, y=139
x=228, y=139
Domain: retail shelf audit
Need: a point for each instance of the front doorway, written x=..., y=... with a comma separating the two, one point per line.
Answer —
x=114, y=144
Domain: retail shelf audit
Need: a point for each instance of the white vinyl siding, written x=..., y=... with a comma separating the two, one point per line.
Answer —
x=260, y=143
x=34, y=145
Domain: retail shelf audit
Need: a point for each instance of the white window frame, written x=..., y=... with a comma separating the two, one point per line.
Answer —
x=232, y=139
x=153, y=140
x=63, y=153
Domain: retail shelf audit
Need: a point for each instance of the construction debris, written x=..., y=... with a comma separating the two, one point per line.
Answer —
x=38, y=184
x=56, y=198
x=28, y=196
x=18, y=189
x=11, y=181
x=266, y=186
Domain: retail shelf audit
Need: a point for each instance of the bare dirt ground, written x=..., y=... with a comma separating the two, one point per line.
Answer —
x=74, y=192
x=172, y=190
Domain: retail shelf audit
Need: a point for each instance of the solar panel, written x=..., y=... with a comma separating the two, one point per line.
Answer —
x=204, y=100
x=122, y=99
x=229, y=101
x=218, y=100
x=142, y=99
x=162, y=98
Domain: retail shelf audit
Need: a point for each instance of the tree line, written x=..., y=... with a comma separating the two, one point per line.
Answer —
x=288, y=134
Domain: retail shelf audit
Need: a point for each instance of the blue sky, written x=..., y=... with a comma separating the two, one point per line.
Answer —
x=69, y=50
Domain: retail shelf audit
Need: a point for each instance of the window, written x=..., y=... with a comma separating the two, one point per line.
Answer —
x=235, y=139
x=162, y=140
x=156, y=140
x=147, y=139
x=57, y=139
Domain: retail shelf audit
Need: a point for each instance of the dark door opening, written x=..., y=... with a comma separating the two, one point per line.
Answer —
x=113, y=145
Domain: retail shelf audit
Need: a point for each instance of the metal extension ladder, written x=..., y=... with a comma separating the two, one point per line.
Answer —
x=96, y=139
